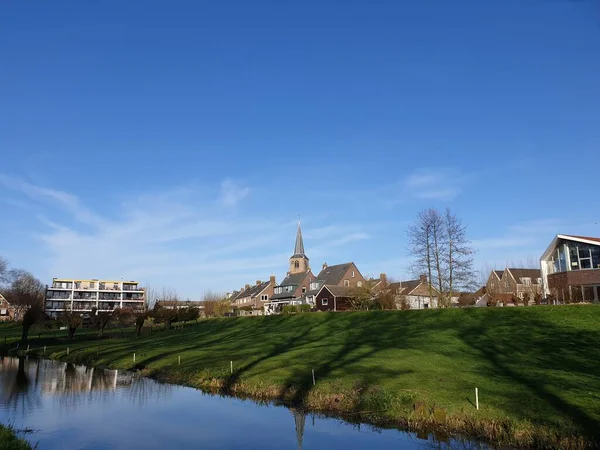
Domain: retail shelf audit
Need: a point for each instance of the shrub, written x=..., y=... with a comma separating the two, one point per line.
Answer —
x=290, y=309
x=305, y=308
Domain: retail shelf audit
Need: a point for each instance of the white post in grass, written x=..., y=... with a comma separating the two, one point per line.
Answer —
x=67, y=350
x=134, y=357
x=231, y=364
x=27, y=347
x=44, y=349
x=179, y=359
x=477, y=399
x=313, y=373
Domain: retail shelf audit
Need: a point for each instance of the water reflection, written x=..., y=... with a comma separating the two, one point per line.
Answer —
x=24, y=382
x=73, y=406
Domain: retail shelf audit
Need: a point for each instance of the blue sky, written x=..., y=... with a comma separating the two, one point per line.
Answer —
x=177, y=142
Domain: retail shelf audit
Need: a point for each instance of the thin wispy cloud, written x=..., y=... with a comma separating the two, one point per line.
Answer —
x=42, y=194
x=232, y=193
x=433, y=184
x=173, y=238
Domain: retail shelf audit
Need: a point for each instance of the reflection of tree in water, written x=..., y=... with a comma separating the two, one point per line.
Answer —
x=15, y=384
x=23, y=383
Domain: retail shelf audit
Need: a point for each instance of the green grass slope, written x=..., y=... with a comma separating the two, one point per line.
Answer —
x=10, y=441
x=539, y=365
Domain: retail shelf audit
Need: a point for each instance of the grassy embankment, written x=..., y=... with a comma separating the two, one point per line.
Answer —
x=537, y=368
x=10, y=441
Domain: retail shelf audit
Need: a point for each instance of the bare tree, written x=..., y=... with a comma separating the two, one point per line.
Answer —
x=440, y=248
x=458, y=259
x=215, y=304
x=25, y=290
x=3, y=271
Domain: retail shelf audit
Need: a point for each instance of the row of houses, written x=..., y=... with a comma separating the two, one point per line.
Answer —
x=569, y=272
x=330, y=290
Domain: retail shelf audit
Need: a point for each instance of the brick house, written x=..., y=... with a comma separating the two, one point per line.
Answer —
x=252, y=299
x=415, y=294
x=570, y=269
x=344, y=276
x=379, y=284
x=7, y=312
x=514, y=283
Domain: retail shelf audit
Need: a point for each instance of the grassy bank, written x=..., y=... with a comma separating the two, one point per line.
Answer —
x=10, y=441
x=537, y=368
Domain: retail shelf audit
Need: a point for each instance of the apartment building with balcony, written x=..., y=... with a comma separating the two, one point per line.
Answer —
x=83, y=295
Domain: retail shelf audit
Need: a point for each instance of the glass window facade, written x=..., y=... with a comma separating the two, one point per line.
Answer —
x=580, y=257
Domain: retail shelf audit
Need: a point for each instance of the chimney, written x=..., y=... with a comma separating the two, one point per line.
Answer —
x=258, y=282
x=383, y=278
x=247, y=286
x=272, y=280
x=324, y=266
x=423, y=278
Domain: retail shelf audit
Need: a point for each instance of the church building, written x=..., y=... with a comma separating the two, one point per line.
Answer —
x=297, y=281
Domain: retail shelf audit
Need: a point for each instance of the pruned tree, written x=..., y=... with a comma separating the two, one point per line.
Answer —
x=72, y=320
x=32, y=315
x=440, y=249
x=101, y=319
x=26, y=294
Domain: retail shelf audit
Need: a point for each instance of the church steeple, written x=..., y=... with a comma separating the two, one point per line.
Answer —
x=299, y=261
x=299, y=247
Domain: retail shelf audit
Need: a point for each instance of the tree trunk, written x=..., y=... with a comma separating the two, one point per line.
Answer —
x=25, y=334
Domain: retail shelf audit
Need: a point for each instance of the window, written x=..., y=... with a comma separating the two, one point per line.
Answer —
x=425, y=305
x=520, y=295
x=3, y=312
x=264, y=298
x=353, y=274
x=92, y=285
x=324, y=301
x=346, y=283
x=526, y=281
x=539, y=281
x=359, y=283
x=304, y=290
x=297, y=264
x=507, y=284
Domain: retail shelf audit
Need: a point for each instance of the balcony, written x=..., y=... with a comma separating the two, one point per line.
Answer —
x=64, y=286
x=130, y=287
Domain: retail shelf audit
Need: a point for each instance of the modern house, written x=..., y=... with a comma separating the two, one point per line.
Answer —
x=512, y=282
x=251, y=299
x=7, y=312
x=83, y=295
x=570, y=269
x=294, y=286
x=415, y=294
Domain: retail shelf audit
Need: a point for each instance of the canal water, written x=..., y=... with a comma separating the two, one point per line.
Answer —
x=75, y=407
